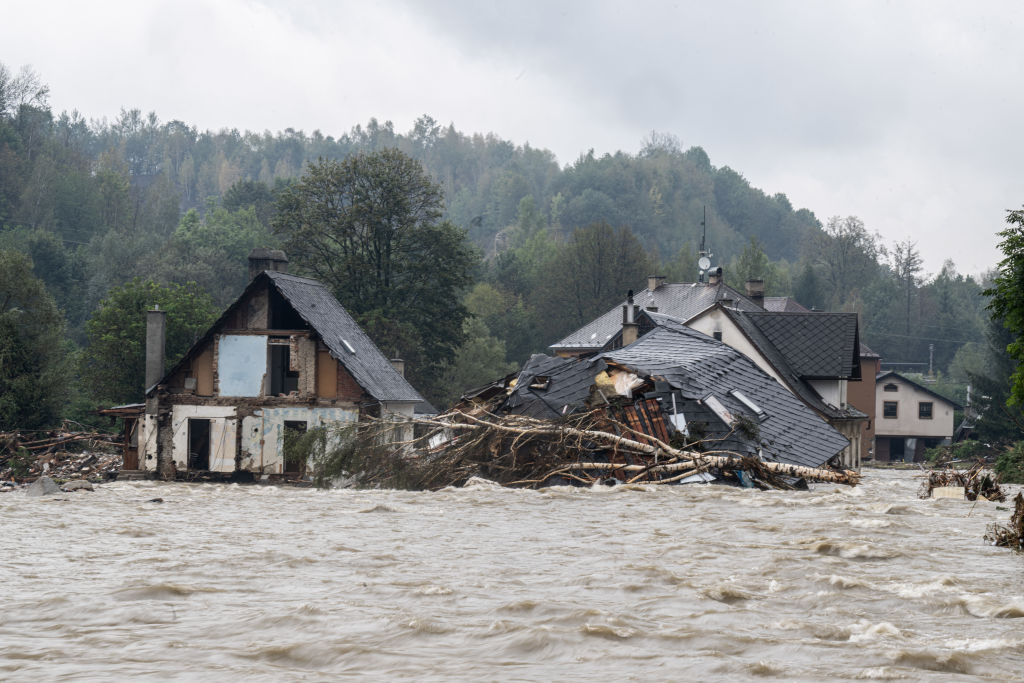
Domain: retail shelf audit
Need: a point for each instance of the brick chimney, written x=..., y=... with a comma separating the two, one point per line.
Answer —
x=630, y=328
x=261, y=259
x=755, y=291
x=715, y=276
x=156, y=336
x=654, y=281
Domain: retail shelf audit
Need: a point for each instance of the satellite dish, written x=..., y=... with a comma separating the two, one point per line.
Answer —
x=704, y=262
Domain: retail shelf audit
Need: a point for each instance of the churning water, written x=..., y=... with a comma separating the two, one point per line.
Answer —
x=228, y=582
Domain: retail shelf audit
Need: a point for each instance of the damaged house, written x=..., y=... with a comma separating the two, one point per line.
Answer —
x=283, y=358
x=668, y=380
x=812, y=354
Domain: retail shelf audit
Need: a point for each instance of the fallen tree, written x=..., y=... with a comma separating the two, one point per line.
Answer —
x=514, y=450
x=1009, y=535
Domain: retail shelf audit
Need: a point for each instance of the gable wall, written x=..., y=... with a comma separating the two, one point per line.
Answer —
x=907, y=422
x=714, y=320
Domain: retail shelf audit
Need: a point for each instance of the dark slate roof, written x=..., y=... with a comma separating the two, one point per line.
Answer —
x=317, y=306
x=694, y=366
x=784, y=304
x=682, y=301
x=780, y=361
x=816, y=345
x=699, y=365
x=892, y=373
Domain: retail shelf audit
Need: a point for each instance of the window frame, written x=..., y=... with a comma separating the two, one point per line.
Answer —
x=920, y=410
x=895, y=410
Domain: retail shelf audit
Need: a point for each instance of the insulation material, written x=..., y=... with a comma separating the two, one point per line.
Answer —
x=222, y=445
x=241, y=364
x=625, y=382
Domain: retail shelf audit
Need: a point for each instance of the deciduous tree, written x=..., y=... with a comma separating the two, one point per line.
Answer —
x=371, y=228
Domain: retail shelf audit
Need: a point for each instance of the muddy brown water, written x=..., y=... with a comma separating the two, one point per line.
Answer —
x=228, y=582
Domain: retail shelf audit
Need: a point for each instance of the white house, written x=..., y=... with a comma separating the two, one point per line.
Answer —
x=910, y=418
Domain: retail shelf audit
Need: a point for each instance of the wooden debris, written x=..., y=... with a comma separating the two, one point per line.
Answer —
x=1009, y=535
x=514, y=450
x=977, y=481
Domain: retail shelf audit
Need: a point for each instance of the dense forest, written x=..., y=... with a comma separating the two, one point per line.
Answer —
x=113, y=216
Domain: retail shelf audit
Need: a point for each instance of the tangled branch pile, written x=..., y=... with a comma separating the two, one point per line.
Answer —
x=978, y=482
x=514, y=450
x=59, y=452
x=1009, y=535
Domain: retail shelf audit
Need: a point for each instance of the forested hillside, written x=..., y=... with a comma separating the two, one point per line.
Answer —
x=104, y=207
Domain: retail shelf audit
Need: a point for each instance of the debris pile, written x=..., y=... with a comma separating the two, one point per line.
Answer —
x=584, y=448
x=978, y=482
x=61, y=454
x=1009, y=535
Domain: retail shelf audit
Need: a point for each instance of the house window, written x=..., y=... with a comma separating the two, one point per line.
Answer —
x=283, y=380
x=890, y=387
x=924, y=410
x=889, y=409
x=717, y=334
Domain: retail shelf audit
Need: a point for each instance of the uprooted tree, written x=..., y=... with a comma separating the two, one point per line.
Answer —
x=515, y=450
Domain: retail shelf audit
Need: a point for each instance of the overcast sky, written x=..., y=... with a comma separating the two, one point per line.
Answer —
x=906, y=114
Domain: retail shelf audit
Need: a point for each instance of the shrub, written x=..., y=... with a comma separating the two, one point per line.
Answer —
x=1010, y=465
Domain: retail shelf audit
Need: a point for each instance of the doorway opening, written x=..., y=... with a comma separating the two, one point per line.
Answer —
x=198, y=444
x=294, y=462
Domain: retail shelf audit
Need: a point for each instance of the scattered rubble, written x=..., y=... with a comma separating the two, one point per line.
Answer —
x=978, y=483
x=1009, y=535
x=61, y=454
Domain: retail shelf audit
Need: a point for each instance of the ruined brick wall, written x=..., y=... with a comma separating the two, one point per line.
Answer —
x=348, y=389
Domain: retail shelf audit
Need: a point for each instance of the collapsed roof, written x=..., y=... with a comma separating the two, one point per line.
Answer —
x=708, y=382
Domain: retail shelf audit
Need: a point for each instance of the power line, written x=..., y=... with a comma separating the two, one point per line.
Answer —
x=908, y=336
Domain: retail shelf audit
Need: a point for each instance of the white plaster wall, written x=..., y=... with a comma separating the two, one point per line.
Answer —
x=263, y=433
x=147, y=444
x=404, y=410
x=714, y=320
x=832, y=391
x=907, y=422
x=222, y=435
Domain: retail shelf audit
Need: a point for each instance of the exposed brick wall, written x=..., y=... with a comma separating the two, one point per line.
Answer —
x=348, y=389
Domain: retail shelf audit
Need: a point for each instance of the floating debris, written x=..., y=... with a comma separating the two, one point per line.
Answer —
x=1009, y=535
x=978, y=482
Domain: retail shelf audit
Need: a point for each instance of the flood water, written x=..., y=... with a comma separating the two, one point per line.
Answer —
x=229, y=582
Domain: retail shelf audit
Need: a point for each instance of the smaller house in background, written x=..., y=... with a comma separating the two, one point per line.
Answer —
x=910, y=418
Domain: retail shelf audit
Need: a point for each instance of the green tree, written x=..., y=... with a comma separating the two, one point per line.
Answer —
x=113, y=365
x=479, y=360
x=33, y=361
x=370, y=227
x=1007, y=292
x=906, y=266
x=847, y=256
x=589, y=273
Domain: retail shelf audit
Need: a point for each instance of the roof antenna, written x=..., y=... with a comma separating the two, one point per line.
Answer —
x=704, y=262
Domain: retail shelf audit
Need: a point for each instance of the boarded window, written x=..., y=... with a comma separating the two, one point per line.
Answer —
x=889, y=409
x=924, y=410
